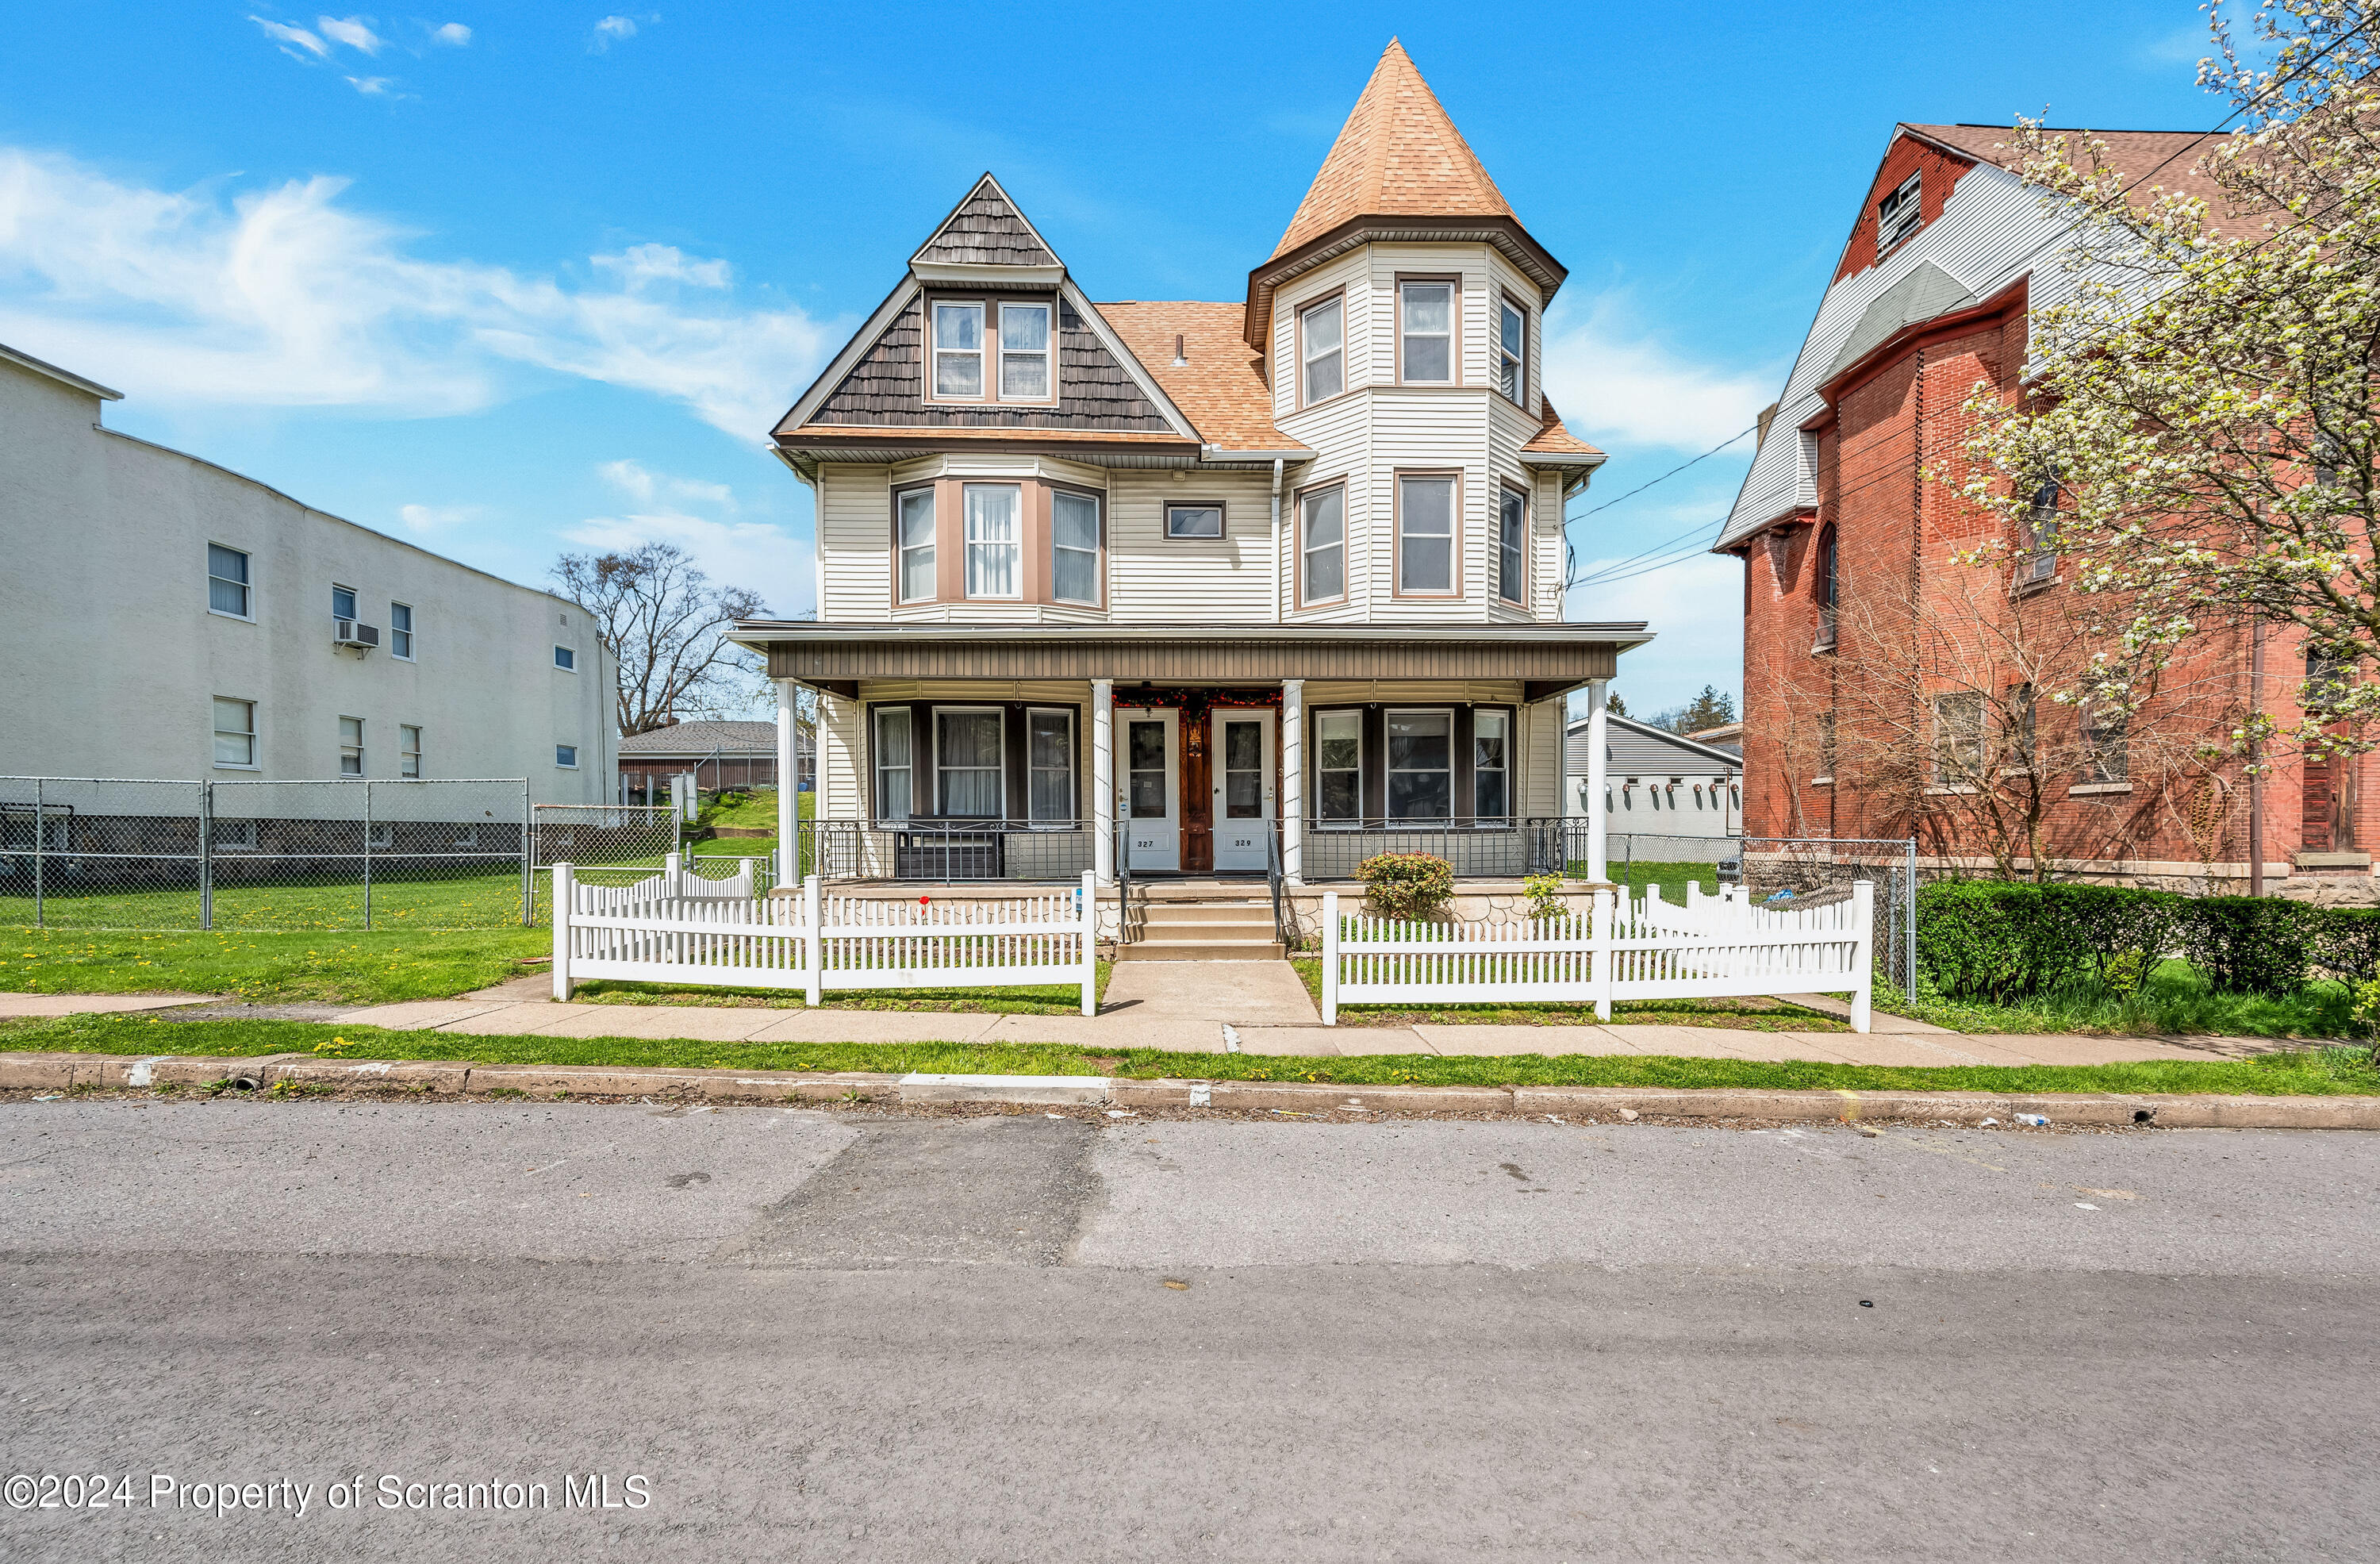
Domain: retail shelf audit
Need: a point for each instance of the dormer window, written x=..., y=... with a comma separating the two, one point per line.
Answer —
x=1899, y=214
x=958, y=351
x=1025, y=352
x=1321, y=349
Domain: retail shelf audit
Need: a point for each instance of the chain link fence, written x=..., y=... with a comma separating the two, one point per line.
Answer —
x=346, y=853
x=604, y=845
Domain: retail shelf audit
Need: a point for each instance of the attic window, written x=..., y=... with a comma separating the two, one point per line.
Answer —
x=1024, y=352
x=958, y=350
x=1899, y=214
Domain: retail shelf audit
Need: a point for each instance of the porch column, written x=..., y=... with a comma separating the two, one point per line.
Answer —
x=1103, y=779
x=1292, y=780
x=1597, y=776
x=789, y=777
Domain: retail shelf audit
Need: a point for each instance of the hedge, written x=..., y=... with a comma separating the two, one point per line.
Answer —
x=2001, y=941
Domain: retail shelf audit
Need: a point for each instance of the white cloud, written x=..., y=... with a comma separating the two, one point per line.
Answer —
x=642, y=484
x=353, y=31
x=372, y=85
x=437, y=518
x=284, y=297
x=454, y=33
x=643, y=263
x=1622, y=387
x=757, y=555
x=293, y=37
x=610, y=31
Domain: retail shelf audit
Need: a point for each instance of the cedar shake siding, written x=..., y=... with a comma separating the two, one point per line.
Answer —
x=987, y=231
x=887, y=388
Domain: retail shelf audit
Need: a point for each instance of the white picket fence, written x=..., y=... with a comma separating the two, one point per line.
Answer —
x=1632, y=949
x=675, y=928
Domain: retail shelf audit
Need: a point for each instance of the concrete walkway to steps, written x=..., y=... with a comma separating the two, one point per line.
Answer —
x=1207, y=1006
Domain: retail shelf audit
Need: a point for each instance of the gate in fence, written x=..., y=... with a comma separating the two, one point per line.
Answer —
x=138, y=854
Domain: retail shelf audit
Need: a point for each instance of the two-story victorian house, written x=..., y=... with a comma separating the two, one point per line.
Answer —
x=1200, y=588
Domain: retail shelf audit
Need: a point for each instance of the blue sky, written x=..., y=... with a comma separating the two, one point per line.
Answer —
x=509, y=279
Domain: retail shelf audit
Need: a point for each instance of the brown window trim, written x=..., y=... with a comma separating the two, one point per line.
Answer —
x=1453, y=327
x=1222, y=519
x=893, y=522
x=1397, y=477
x=1528, y=505
x=1297, y=346
x=1496, y=347
x=992, y=305
x=1297, y=545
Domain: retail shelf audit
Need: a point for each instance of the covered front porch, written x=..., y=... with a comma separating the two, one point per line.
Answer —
x=984, y=756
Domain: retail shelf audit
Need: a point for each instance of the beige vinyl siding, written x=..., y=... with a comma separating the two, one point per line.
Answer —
x=1502, y=274
x=1191, y=580
x=1350, y=272
x=1437, y=429
x=841, y=753
x=1541, y=739
x=960, y=691
x=855, y=533
x=1549, y=557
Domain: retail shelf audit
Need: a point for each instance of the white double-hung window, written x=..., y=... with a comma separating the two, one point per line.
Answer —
x=1322, y=546
x=409, y=749
x=1025, y=353
x=1074, y=547
x=958, y=351
x=228, y=582
x=1425, y=333
x=915, y=544
x=400, y=631
x=1425, y=535
x=1321, y=349
x=1491, y=792
x=993, y=538
x=351, y=746
x=1511, y=547
x=1339, y=765
x=1512, y=350
x=235, y=732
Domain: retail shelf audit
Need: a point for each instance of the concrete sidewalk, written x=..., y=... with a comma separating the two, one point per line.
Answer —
x=1206, y=1007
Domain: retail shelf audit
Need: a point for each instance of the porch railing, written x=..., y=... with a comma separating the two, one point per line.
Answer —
x=1504, y=848
x=947, y=851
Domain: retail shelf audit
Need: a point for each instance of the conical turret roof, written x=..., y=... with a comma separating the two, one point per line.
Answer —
x=1398, y=155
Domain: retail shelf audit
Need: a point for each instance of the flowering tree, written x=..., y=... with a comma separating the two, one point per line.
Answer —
x=2198, y=439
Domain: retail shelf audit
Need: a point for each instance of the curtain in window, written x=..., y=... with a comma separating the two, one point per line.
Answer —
x=917, y=545
x=1025, y=350
x=1050, y=757
x=991, y=539
x=967, y=748
x=893, y=765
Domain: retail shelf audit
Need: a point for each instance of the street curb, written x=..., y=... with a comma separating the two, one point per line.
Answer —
x=69, y=1071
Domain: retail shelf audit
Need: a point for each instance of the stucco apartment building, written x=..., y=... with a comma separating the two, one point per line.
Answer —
x=1880, y=670
x=1268, y=581
x=161, y=616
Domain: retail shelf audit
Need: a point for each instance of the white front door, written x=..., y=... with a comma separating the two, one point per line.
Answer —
x=1147, y=788
x=1242, y=752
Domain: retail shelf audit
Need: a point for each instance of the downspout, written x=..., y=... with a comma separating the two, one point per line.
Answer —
x=1276, y=541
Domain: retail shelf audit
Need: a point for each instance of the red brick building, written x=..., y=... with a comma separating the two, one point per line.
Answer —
x=1888, y=686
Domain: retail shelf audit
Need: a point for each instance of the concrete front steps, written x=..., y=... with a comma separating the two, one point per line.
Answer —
x=1224, y=927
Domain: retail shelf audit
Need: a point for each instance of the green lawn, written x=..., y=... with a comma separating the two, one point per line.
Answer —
x=1047, y=1000
x=372, y=966
x=1672, y=878
x=472, y=901
x=2176, y=1000
x=2324, y=1072
x=1750, y=1015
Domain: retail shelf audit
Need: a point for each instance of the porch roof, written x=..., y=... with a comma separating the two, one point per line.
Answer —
x=1549, y=658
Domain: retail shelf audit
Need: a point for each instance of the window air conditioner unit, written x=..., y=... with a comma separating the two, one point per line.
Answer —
x=354, y=633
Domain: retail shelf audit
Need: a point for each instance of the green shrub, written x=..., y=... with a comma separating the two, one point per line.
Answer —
x=2001, y=941
x=2248, y=944
x=2347, y=942
x=1546, y=896
x=1407, y=887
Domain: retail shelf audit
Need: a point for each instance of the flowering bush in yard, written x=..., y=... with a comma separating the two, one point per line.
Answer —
x=1408, y=887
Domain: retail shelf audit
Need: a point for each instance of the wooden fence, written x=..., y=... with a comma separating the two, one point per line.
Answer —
x=664, y=930
x=1622, y=950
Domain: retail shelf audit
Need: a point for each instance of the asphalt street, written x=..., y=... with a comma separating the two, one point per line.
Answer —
x=565, y=1330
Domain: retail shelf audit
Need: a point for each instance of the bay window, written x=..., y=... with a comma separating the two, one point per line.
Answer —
x=1322, y=546
x=915, y=543
x=1425, y=535
x=1512, y=554
x=1425, y=333
x=1321, y=350
x=1074, y=547
x=993, y=538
